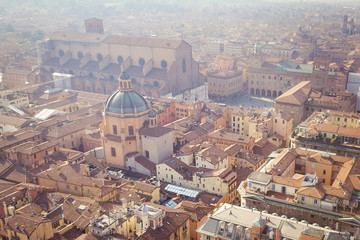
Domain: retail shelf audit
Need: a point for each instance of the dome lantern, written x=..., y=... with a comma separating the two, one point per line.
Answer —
x=124, y=82
x=126, y=100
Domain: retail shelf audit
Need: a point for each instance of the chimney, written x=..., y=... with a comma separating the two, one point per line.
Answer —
x=340, y=184
x=277, y=236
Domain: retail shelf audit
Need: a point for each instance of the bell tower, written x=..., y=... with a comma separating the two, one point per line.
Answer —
x=94, y=25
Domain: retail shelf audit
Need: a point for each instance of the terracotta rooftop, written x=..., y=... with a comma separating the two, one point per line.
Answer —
x=77, y=174
x=288, y=181
x=171, y=222
x=296, y=95
x=212, y=154
x=9, y=139
x=154, y=131
x=32, y=147
x=58, y=132
x=229, y=136
x=13, y=121
x=24, y=223
x=316, y=191
x=197, y=210
x=116, y=39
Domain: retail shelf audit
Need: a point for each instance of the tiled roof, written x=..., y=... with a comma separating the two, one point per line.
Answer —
x=146, y=164
x=233, y=149
x=145, y=187
x=32, y=147
x=146, y=42
x=283, y=161
x=183, y=169
x=23, y=223
x=288, y=181
x=196, y=210
x=77, y=174
x=13, y=121
x=229, y=136
x=154, y=131
x=314, y=192
x=171, y=222
x=296, y=95
x=343, y=173
x=78, y=37
x=58, y=132
x=212, y=154
x=18, y=136
x=17, y=174
x=333, y=191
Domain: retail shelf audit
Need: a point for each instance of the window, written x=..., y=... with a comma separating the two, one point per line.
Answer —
x=141, y=61
x=61, y=53
x=303, y=199
x=183, y=65
x=147, y=154
x=114, y=129
x=250, y=185
x=113, y=152
x=120, y=59
x=99, y=57
x=80, y=55
x=131, y=130
x=163, y=64
x=324, y=172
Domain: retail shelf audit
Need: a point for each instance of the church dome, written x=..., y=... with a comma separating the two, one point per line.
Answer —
x=125, y=102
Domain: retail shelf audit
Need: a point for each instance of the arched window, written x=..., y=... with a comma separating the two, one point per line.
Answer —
x=141, y=61
x=120, y=59
x=80, y=55
x=156, y=83
x=163, y=64
x=99, y=57
x=61, y=53
x=183, y=65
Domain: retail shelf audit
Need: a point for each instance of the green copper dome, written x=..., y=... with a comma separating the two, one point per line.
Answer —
x=125, y=102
